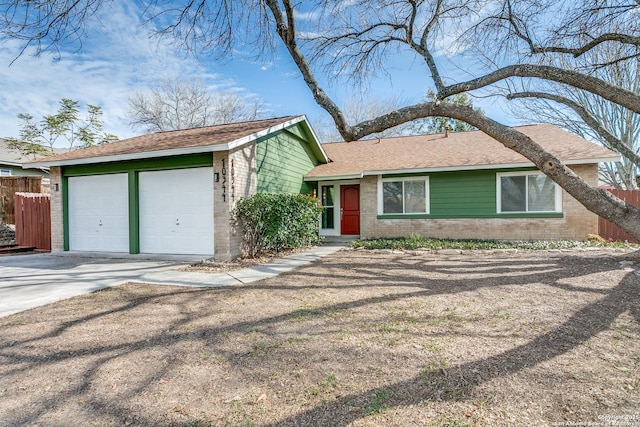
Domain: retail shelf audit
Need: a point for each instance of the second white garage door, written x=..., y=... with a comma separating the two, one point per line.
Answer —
x=176, y=211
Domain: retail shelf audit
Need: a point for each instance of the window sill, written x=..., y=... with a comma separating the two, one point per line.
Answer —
x=488, y=216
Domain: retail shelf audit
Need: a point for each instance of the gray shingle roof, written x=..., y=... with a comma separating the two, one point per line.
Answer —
x=9, y=156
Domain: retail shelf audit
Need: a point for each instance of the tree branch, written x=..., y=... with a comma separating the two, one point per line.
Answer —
x=611, y=139
x=422, y=48
x=288, y=37
x=596, y=86
x=581, y=50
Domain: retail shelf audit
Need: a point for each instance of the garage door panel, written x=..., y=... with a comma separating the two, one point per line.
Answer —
x=176, y=211
x=194, y=219
x=99, y=213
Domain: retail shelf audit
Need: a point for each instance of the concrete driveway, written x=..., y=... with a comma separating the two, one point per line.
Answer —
x=28, y=281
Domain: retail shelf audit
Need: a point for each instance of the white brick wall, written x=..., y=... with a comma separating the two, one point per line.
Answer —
x=57, y=230
x=241, y=181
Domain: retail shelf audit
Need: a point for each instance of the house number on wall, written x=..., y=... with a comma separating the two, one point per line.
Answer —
x=224, y=181
x=233, y=181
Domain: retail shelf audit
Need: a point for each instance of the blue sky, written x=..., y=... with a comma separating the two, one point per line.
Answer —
x=120, y=56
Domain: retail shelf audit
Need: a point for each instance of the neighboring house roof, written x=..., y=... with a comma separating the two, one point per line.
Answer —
x=15, y=159
x=171, y=143
x=10, y=156
x=459, y=151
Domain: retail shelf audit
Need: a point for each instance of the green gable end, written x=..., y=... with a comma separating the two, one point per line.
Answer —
x=283, y=159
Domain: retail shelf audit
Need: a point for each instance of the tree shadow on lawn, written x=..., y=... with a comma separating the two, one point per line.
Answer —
x=416, y=276
x=459, y=381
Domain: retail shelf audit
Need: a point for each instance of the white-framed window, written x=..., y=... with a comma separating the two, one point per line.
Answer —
x=527, y=192
x=407, y=195
x=328, y=197
x=5, y=172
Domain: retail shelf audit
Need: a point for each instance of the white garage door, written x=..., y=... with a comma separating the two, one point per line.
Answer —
x=176, y=211
x=99, y=213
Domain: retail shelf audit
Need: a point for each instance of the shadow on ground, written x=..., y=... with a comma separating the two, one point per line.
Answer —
x=163, y=356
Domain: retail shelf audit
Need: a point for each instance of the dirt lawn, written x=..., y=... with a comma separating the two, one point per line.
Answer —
x=357, y=338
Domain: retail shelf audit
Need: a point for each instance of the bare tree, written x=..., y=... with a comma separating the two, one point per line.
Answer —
x=592, y=117
x=356, y=110
x=436, y=124
x=184, y=104
x=359, y=38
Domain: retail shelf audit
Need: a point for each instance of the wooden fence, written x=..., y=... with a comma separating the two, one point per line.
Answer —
x=609, y=231
x=33, y=220
x=9, y=185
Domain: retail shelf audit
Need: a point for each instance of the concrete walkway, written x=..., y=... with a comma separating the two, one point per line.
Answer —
x=28, y=281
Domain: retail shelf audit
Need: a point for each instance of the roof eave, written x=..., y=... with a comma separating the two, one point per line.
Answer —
x=132, y=156
x=317, y=147
x=316, y=141
x=264, y=132
x=9, y=163
x=594, y=160
x=333, y=177
x=353, y=175
x=175, y=151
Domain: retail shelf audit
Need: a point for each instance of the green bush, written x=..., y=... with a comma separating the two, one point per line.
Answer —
x=274, y=222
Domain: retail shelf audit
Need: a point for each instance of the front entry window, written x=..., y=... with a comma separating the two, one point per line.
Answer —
x=405, y=196
x=328, y=202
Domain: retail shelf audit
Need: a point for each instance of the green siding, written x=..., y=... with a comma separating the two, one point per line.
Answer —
x=495, y=215
x=465, y=194
x=176, y=162
x=298, y=132
x=453, y=194
x=283, y=159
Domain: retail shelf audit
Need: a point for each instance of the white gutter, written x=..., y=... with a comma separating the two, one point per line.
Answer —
x=245, y=139
x=132, y=156
x=450, y=169
x=8, y=163
x=333, y=177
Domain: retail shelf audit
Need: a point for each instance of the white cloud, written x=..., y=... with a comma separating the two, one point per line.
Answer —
x=306, y=16
x=120, y=56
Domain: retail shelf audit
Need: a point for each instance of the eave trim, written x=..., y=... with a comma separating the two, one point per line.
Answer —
x=451, y=169
x=174, y=151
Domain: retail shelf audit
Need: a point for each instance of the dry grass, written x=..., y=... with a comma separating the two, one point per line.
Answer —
x=357, y=338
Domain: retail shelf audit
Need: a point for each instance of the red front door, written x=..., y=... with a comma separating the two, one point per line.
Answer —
x=350, y=209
